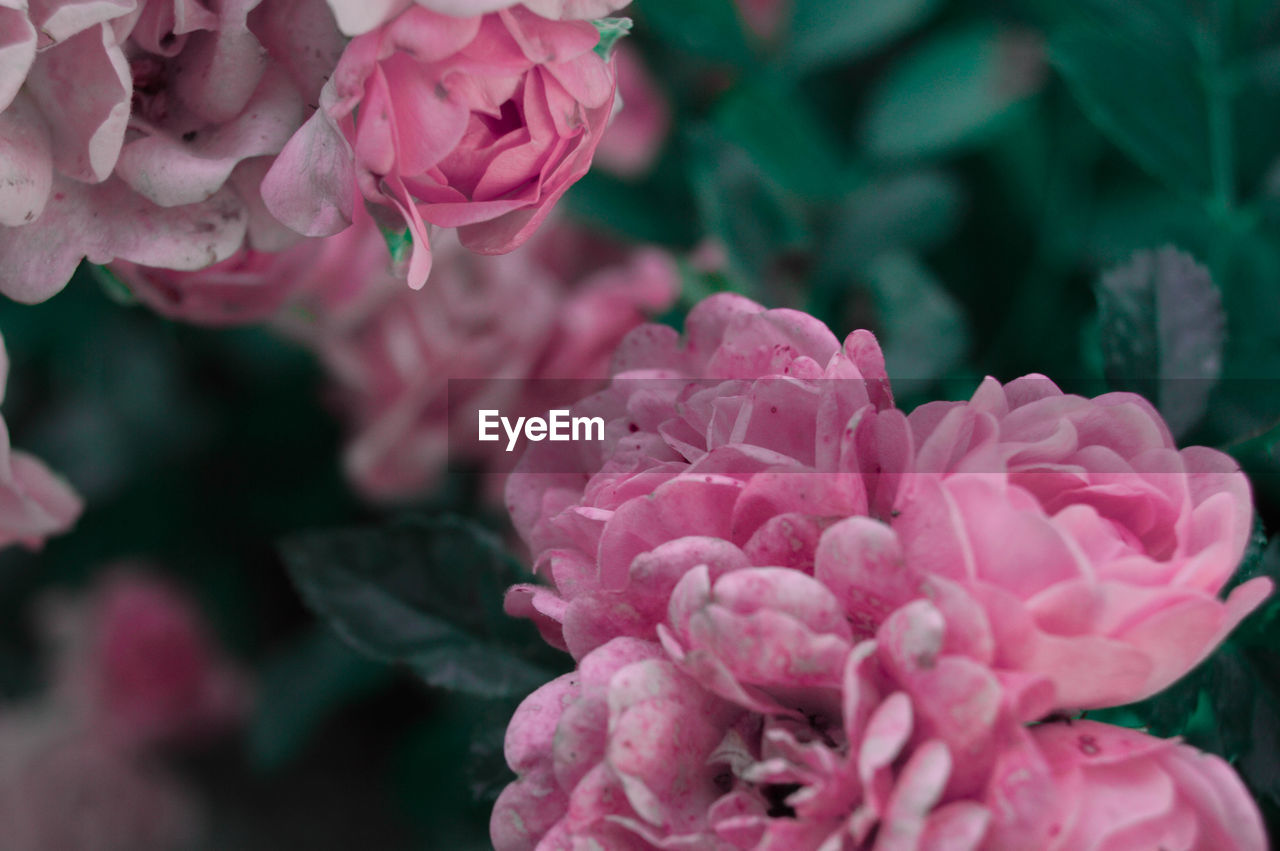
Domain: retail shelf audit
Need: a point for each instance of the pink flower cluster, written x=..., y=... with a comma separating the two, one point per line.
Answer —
x=391, y=352
x=411, y=368
x=176, y=133
x=804, y=619
x=133, y=668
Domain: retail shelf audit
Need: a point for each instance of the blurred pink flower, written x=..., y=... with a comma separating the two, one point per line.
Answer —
x=477, y=123
x=140, y=130
x=760, y=725
x=160, y=675
x=637, y=131
x=255, y=286
x=391, y=352
x=1128, y=791
x=35, y=503
x=132, y=667
x=75, y=792
x=136, y=661
x=356, y=18
x=1093, y=547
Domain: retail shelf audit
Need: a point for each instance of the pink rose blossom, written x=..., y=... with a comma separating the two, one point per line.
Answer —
x=760, y=725
x=357, y=18
x=476, y=123
x=391, y=352
x=639, y=128
x=35, y=503
x=140, y=130
x=1093, y=547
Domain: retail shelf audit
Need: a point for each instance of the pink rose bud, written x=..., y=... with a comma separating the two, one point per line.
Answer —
x=476, y=123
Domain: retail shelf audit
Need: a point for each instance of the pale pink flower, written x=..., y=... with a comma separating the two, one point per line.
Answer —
x=1093, y=547
x=142, y=130
x=392, y=352
x=639, y=128
x=35, y=503
x=477, y=123
x=357, y=18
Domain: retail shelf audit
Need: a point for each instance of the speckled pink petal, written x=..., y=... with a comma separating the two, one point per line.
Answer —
x=83, y=87
x=222, y=68
x=106, y=221
x=17, y=49
x=171, y=172
x=62, y=19
x=26, y=163
x=311, y=187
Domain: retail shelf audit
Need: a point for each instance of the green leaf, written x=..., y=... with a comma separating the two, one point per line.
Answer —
x=1147, y=98
x=611, y=31
x=427, y=593
x=399, y=244
x=826, y=31
x=775, y=129
x=925, y=329
x=916, y=211
x=641, y=212
x=1163, y=332
x=708, y=29
x=956, y=89
x=755, y=218
x=300, y=687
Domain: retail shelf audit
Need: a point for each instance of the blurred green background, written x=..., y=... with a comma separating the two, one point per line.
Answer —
x=970, y=180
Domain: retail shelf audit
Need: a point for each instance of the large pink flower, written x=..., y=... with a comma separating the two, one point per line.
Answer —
x=1093, y=547
x=35, y=503
x=476, y=123
x=356, y=18
x=392, y=352
x=760, y=725
x=142, y=129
